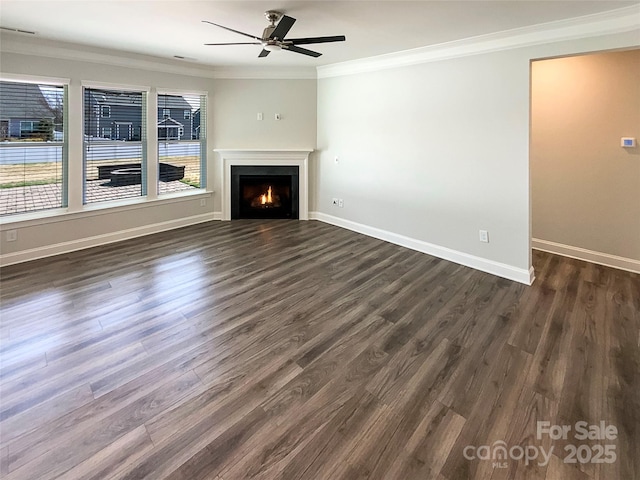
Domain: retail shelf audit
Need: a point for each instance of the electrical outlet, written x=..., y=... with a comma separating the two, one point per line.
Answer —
x=334, y=202
x=12, y=235
x=341, y=203
x=203, y=202
x=484, y=236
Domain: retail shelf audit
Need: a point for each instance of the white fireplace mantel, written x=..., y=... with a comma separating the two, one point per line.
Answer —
x=299, y=158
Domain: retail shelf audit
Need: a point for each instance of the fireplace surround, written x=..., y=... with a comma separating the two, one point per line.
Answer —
x=264, y=158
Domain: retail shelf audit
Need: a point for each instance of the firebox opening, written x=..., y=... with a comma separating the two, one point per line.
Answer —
x=264, y=192
x=265, y=197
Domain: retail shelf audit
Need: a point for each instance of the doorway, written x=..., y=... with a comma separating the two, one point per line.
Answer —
x=585, y=186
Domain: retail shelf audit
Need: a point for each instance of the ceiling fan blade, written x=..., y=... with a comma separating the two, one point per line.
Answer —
x=306, y=41
x=283, y=27
x=232, y=30
x=304, y=51
x=236, y=43
x=264, y=53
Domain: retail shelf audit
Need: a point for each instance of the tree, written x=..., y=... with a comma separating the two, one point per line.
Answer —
x=44, y=130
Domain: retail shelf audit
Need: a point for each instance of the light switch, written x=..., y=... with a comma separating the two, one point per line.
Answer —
x=277, y=116
x=260, y=116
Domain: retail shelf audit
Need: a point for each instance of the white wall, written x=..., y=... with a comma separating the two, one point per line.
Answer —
x=231, y=124
x=585, y=186
x=236, y=103
x=430, y=154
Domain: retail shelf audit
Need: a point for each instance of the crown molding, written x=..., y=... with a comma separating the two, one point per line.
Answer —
x=606, y=23
x=265, y=73
x=18, y=44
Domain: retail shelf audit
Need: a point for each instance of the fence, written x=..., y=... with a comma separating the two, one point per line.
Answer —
x=41, y=152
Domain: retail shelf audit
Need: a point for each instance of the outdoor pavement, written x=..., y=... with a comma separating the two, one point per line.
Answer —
x=42, y=197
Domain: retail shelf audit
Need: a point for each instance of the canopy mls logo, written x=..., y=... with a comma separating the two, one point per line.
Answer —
x=499, y=453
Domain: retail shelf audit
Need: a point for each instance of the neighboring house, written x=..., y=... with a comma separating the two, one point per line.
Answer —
x=170, y=129
x=23, y=109
x=195, y=128
x=118, y=116
x=113, y=115
x=175, y=118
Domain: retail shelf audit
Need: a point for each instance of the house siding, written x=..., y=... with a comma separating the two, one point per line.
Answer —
x=20, y=102
x=125, y=119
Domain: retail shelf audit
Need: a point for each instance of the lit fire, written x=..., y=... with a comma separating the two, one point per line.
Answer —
x=266, y=200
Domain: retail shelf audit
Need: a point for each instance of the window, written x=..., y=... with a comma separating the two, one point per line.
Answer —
x=33, y=151
x=27, y=129
x=124, y=130
x=181, y=145
x=106, y=111
x=114, y=159
x=166, y=113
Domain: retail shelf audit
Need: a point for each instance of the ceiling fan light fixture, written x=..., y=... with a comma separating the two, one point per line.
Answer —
x=272, y=47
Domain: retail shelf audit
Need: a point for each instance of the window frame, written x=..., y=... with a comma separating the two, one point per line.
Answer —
x=202, y=139
x=144, y=90
x=72, y=204
x=63, y=83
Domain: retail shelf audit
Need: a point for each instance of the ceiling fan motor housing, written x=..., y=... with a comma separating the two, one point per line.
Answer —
x=272, y=16
x=267, y=32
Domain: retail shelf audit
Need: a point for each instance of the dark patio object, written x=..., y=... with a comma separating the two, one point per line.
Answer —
x=126, y=176
x=168, y=173
x=104, y=171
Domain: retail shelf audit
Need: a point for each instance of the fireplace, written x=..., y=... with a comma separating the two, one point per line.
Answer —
x=299, y=189
x=264, y=191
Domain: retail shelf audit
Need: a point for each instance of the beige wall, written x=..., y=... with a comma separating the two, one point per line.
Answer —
x=585, y=186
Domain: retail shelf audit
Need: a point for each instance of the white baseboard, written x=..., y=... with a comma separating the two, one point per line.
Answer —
x=97, y=240
x=578, y=253
x=478, y=263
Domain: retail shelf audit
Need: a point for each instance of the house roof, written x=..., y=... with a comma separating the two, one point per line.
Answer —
x=23, y=100
x=173, y=101
x=170, y=122
x=104, y=97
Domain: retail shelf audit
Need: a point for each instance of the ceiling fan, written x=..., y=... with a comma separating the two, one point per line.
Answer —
x=273, y=37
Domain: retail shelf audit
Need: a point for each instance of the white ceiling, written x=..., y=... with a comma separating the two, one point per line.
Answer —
x=164, y=28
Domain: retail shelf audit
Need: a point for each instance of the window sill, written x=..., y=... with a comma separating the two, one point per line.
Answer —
x=103, y=208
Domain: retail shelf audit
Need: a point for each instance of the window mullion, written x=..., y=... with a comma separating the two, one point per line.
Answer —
x=75, y=164
x=152, y=144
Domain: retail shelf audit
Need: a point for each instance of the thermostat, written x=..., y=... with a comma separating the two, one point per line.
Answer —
x=628, y=142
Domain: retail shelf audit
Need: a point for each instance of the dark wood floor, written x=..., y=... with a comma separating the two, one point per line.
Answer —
x=287, y=349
